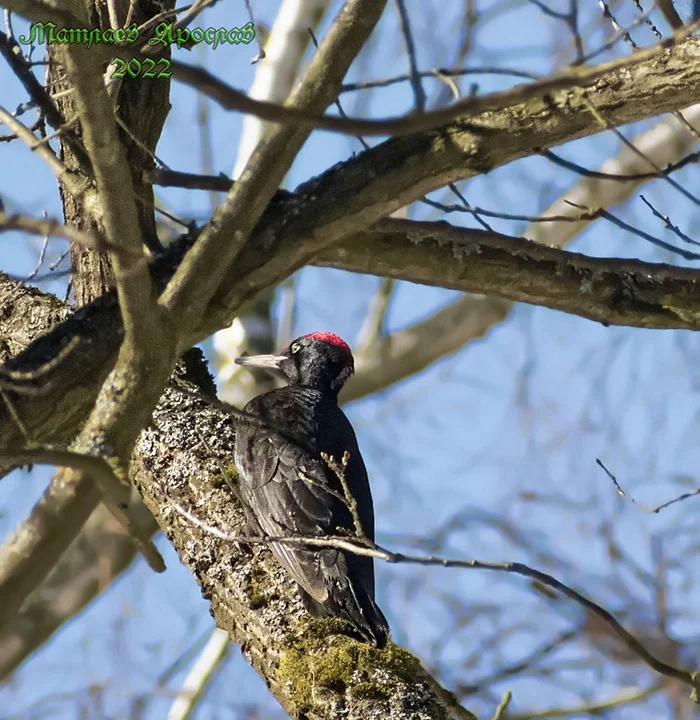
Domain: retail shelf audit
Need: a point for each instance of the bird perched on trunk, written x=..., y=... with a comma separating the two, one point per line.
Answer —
x=288, y=488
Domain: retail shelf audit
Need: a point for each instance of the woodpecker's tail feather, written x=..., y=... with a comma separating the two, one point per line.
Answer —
x=357, y=608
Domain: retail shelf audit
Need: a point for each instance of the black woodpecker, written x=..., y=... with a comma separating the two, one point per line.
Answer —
x=288, y=489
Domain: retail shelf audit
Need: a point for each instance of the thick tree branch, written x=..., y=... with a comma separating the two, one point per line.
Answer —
x=612, y=291
x=115, y=198
x=96, y=558
x=609, y=290
x=370, y=186
x=222, y=240
x=395, y=356
x=120, y=409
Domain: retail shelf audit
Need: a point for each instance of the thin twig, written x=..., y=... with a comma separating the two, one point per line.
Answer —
x=503, y=705
x=693, y=157
x=667, y=222
x=75, y=184
x=336, y=102
x=42, y=254
x=261, y=50
x=51, y=226
x=600, y=212
x=405, y=28
x=23, y=382
x=647, y=508
x=376, y=551
x=339, y=469
x=439, y=73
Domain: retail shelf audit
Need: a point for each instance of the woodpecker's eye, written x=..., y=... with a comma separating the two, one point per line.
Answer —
x=295, y=347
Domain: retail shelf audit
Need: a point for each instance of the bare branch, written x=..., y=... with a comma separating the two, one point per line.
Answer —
x=405, y=27
x=200, y=676
x=350, y=501
x=116, y=198
x=12, y=53
x=98, y=556
x=51, y=226
x=647, y=508
x=610, y=291
x=438, y=73
x=369, y=549
x=206, y=265
x=21, y=566
x=73, y=181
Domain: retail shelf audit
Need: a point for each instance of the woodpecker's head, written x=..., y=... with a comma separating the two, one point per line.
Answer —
x=320, y=360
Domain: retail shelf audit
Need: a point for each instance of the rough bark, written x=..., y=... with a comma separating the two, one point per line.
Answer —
x=312, y=667
x=611, y=291
x=142, y=106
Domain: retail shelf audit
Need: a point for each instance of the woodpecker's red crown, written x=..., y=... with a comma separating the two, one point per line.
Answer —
x=331, y=337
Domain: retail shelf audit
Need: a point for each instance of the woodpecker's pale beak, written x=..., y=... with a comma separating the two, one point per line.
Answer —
x=269, y=362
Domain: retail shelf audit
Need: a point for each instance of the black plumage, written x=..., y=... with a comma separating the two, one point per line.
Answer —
x=287, y=487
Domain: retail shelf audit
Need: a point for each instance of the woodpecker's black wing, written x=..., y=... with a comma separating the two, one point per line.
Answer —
x=290, y=490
